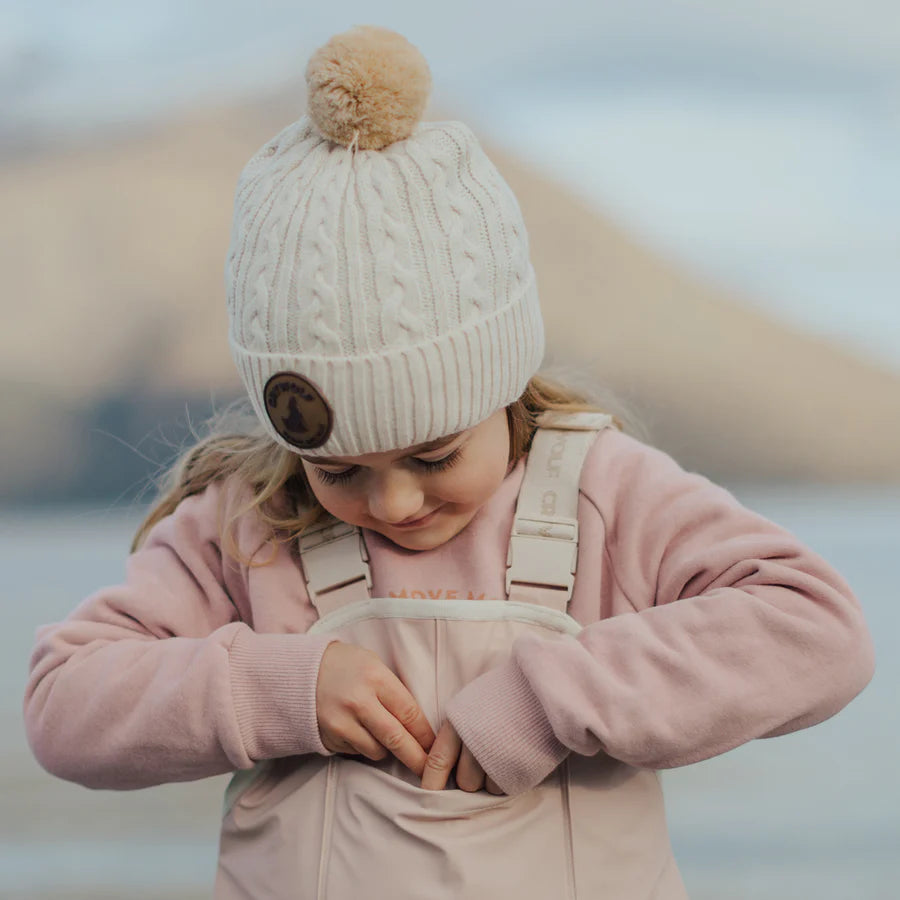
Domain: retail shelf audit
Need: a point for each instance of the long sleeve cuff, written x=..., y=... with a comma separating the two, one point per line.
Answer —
x=273, y=684
x=499, y=718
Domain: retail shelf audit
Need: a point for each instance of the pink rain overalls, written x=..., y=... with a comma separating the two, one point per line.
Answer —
x=347, y=828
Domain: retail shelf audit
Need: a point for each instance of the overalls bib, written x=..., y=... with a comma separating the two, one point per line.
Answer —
x=347, y=828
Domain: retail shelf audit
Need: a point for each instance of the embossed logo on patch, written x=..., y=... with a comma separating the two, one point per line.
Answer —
x=297, y=410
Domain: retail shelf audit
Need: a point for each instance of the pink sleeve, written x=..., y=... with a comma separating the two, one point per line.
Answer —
x=739, y=632
x=158, y=679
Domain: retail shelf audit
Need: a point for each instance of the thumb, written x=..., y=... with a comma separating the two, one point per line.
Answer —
x=441, y=758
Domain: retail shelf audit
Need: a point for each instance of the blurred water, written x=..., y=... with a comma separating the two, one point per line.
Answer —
x=809, y=814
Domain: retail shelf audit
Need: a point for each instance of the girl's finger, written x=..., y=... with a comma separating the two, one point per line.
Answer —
x=365, y=745
x=441, y=758
x=469, y=774
x=400, y=703
x=391, y=734
x=355, y=740
x=491, y=786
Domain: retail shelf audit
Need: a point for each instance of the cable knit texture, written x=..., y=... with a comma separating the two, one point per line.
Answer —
x=398, y=281
x=704, y=626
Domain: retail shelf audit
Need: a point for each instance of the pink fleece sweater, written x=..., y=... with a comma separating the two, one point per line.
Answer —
x=705, y=626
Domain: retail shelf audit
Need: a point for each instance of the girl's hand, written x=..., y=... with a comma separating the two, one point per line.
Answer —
x=363, y=707
x=445, y=751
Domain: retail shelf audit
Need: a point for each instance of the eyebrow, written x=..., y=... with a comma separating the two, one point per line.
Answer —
x=413, y=451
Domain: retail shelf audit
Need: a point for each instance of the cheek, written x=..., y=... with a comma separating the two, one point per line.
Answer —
x=475, y=484
x=339, y=500
x=343, y=505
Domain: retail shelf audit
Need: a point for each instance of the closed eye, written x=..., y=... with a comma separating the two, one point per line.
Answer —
x=336, y=477
x=439, y=465
x=430, y=465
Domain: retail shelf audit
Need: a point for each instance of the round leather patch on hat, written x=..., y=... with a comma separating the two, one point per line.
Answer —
x=297, y=410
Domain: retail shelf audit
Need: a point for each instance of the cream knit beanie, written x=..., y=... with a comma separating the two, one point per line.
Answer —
x=380, y=292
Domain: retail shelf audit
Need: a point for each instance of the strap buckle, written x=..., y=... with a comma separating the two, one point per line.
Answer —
x=543, y=552
x=333, y=554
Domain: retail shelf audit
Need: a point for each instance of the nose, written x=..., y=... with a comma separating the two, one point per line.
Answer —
x=395, y=496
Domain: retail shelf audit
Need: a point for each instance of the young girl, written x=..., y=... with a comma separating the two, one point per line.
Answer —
x=370, y=610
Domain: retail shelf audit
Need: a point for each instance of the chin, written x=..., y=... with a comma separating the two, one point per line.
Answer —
x=429, y=537
x=420, y=541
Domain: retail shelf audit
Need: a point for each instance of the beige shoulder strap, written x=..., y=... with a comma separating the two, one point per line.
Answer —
x=543, y=546
x=544, y=541
x=335, y=564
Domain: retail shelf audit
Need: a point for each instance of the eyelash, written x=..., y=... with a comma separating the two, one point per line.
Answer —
x=437, y=465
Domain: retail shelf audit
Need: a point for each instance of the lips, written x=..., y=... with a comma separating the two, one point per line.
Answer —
x=416, y=523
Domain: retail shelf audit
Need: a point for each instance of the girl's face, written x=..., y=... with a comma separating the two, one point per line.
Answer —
x=419, y=497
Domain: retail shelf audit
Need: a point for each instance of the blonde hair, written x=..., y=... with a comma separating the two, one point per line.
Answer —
x=279, y=493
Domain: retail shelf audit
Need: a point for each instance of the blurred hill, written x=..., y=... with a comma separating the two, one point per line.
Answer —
x=114, y=329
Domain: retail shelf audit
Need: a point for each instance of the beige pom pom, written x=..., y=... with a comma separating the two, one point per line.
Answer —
x=368, y=84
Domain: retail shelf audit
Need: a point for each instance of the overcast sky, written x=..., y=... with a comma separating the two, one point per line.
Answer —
x=99, y=51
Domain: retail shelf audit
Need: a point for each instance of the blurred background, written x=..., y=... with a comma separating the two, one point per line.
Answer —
x=712, y=192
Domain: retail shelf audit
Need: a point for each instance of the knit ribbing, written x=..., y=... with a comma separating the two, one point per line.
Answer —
x=475, y=367
x=273, y=679
x=501, y=704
